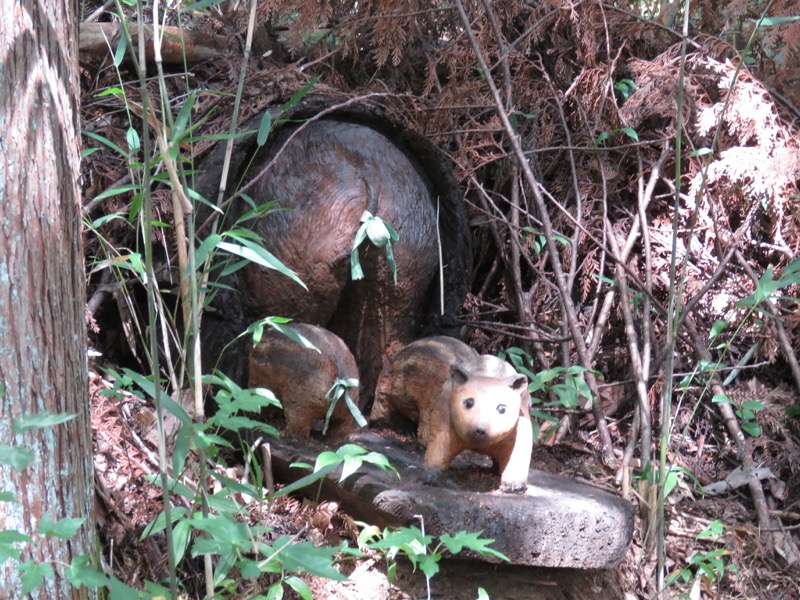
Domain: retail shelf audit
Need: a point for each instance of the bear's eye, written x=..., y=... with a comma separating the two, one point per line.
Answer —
x=469, y=403
x=501, y=408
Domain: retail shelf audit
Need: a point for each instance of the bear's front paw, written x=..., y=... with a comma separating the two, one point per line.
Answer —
x=513, y=487
x=432, y=476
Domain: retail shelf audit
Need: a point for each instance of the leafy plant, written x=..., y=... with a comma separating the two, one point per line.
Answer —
x=337, y=392
x=745, y=410
x=33, y=574
x=350, y=457
x=606, y=136
x=381, y=234
x=704, y=567
x=625, y=87
x=539, y=241
x=566, y=383
x=419, y=548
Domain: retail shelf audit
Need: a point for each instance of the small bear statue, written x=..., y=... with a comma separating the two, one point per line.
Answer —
x=302, y=377
x=462, y=401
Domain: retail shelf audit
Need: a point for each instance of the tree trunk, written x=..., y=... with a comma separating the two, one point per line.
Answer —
x=42, y=297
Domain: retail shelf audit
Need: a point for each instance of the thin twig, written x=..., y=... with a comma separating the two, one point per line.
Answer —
x=566, y=300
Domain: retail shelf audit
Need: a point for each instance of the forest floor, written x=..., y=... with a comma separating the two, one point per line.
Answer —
x=594, y=88
x=126, y=464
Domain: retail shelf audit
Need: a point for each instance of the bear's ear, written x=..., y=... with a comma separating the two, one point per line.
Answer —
x=517, y=382
x=458, y=375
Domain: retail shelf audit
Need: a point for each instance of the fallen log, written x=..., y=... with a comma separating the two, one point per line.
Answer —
x=98, y=40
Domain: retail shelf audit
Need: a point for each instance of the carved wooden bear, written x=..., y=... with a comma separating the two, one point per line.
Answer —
x=462, y=401
x=301, y=377
x=323, y=174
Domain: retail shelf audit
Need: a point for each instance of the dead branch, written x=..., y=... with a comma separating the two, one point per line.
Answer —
x=178, y=46
x=561, y=282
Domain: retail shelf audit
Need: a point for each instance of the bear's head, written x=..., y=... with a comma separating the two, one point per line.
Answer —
x=484, y=408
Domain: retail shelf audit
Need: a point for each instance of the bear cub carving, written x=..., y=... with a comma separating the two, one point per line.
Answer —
x=462, y=401
x=301, y=378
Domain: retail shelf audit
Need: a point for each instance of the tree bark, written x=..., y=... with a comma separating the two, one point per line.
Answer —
x=42, y=296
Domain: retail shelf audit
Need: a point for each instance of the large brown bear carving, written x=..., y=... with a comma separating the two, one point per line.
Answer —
x=323, y=173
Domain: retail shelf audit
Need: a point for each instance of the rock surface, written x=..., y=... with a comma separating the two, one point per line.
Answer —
x=557, y=523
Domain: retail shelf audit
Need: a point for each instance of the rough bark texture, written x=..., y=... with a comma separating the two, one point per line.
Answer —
x=42, y=297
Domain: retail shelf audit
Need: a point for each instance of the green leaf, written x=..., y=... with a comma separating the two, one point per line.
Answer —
x=119, y=591
x=277, y=324
x=160, y=522
x=380, y=461
x=156, y=591
x=275, y=591
x=700, y=152
x=631, y=133
x=300, y=586
x=231, y=486
x=224, y=530
x=482, y=595
x=264, y=128
x=304, y=557
x=181, y=536
x=9, y=539
x=175, y=486
x=718, y=327
x=524, y=115
x=41, y=420
x=222, y=505
x=112, y=91
x=303, y=482
x=176, y=410
x=34, y=574
x=765, y=288
x=410, y=538
x=326, y=459
x=774, y=21
x=354, y=410
x=17, y=458
x=183, y=117
x=720, y=399
x=100, y=221
x=261, y=256
x=224, y=565
x=713, y=532
x=64, y=528
x=197, y=6
x=429, y=564
x=672, y=481
x=81, y=572
x=109, y=144
x=299, y=95
x=181, y=449
x=132, y=137
x=603, y=137
x=119, y=53
x=753, y=405
x=754, y=429
x=350, y=465
x=471, y=541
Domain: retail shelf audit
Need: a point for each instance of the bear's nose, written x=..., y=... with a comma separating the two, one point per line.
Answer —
x=479, y=432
